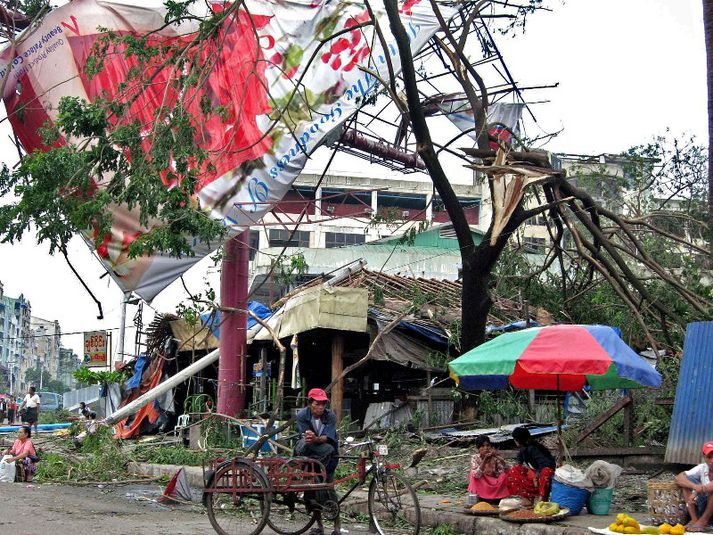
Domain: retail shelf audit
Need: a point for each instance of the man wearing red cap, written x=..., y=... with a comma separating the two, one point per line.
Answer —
x=697, y=489
x=317, y=427
x=318, y=440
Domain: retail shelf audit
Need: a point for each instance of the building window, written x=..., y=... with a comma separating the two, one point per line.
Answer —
x=537, y=221
x=281, y=238
x=254, y=243
x=341, y=239
x=534, y=245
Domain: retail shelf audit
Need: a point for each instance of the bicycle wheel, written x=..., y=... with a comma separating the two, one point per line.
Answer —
x=393, y=505
x=289, y=515
x=243, y=512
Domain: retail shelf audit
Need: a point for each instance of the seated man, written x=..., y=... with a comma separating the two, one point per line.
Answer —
x=697, y=489
x=317, y=427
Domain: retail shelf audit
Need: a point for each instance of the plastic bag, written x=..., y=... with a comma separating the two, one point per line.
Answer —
x=603, y=474
x=569, y=475
x=7, y=470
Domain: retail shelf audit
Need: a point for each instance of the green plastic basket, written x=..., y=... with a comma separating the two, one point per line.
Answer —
x=600, y=501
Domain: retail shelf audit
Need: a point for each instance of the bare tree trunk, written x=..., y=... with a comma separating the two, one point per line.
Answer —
x=708, y=31
x=478, y=261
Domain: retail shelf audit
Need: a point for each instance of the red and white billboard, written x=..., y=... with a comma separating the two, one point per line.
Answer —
x=259, y=61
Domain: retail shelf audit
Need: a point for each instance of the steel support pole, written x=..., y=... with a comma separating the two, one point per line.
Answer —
x=233, y=327
x=122, y=328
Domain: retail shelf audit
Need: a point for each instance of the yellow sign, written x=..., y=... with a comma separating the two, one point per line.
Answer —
x=95, y=349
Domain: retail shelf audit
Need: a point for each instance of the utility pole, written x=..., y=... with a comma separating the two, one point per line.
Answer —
x=122, y=328
x=11, y=363
x=233, y=327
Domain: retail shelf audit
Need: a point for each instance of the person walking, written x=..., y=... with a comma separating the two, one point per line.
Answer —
x=31, y=404
x=3, y=409
x=11, y=409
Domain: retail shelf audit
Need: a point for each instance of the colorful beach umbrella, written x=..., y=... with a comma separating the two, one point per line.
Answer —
x=556, y=357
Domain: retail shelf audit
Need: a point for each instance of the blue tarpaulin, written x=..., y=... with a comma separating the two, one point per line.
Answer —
x=135, y=380
x=212, y=319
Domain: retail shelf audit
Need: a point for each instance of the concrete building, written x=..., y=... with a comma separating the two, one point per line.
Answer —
x=362, y=213
x=15, y=339
x=68, y=363
x=350, y=217
x=46, y=344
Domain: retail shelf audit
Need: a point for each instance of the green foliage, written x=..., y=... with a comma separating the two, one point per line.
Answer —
x=73, y=189
x=31, y=8
x=53, y=417
x=443, y=529
x=101, y=459
x=286, y=270
x=32, y=375
x=171, y=455
x=89, y=377
x=509, y=404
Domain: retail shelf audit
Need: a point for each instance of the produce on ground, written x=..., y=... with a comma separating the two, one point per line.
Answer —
x=668, y=529
x=547, y=508
x=626, y=524
x=483, y=506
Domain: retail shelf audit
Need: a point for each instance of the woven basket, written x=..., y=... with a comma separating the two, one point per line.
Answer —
x=666, y=504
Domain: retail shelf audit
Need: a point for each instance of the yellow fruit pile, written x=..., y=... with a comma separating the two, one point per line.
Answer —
x=625, y=524
x=668, y=529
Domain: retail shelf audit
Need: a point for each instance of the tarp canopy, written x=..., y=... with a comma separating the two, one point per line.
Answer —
x=324, y=307
x=342, y=309
x=399, y=348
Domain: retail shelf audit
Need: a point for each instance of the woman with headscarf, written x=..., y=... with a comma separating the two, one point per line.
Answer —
x=531, y=478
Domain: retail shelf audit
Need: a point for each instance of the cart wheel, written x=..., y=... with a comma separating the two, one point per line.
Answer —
x=393, y=505
x=290, y=515
x=237, y=498
x=330, y=510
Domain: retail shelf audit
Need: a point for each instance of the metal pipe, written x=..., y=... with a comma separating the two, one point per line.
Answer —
x=163, y=387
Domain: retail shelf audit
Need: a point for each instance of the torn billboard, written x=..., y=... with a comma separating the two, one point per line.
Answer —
x=503, y=117
x=306, y=56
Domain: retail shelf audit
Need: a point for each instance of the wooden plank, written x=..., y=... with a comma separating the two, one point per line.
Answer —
x=603, y=418
x=337, y=369
x=629, y=422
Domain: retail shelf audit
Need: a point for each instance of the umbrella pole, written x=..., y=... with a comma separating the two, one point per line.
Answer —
x=560, y=448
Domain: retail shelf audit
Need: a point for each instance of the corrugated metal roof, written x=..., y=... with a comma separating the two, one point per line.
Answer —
x=693, y=408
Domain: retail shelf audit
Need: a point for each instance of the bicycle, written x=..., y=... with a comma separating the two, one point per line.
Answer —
x=288, y=493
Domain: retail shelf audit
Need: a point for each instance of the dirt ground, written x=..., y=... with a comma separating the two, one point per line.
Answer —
x=50, y=509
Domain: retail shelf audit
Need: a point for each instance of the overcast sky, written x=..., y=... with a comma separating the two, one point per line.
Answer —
x=627, y=70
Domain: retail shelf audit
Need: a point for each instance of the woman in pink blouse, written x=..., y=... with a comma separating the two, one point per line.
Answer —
x=23, y=452
x=487, y=472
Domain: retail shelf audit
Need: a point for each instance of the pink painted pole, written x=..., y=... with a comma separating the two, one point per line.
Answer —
x=233, y=329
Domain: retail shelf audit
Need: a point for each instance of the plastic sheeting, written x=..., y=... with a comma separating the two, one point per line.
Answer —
x=135, y=380
x=147, y=415
x=401, y=349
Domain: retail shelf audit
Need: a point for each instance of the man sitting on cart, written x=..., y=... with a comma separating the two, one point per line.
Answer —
x=317, y=428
